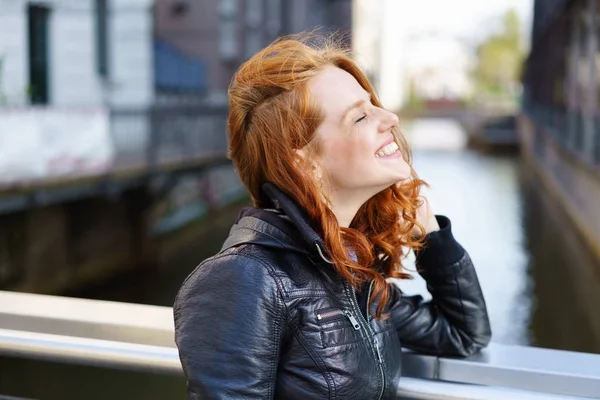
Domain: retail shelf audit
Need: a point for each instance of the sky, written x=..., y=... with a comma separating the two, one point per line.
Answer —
x=467, y=19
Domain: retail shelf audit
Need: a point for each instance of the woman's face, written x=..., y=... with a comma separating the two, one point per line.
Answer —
x=357, y=153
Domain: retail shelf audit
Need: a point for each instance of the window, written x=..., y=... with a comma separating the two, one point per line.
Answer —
x=228, y=43
x=577, y=77
x=274, y=18
x=37, y=21
x=102, y=59
x=254, y=20
x=585, y=80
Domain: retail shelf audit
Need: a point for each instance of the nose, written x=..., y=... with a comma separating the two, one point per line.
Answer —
x=389, y=120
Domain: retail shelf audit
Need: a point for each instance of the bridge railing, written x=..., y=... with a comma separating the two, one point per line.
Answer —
x=576, y=132
x=168, y=136
x=137, y=337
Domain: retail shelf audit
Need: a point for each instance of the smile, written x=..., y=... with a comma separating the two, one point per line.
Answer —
x=388, y=150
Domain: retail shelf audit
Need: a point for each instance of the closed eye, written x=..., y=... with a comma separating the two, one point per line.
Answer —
x=360, y=119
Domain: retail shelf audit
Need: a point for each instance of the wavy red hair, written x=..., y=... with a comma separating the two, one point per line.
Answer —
x=272, y=114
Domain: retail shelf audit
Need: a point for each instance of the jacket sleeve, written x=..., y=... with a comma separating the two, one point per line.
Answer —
x=228, y=329
x=455, y=322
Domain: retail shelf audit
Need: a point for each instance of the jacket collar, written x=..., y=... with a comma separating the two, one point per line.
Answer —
x=286, y=228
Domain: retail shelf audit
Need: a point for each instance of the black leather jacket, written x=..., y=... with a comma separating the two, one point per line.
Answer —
x=268, y=317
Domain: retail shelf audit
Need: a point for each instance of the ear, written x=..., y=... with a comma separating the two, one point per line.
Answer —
x=301, y=155
x=308, y=162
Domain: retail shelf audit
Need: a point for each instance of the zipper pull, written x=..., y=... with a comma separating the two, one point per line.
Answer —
x=353, y=320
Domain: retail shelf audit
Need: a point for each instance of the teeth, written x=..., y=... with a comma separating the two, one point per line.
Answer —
x=387, y=150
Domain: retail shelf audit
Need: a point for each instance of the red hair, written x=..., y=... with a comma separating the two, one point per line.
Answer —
x=271, y=115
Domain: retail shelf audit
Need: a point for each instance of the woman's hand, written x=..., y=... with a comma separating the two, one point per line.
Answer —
x=426, y=217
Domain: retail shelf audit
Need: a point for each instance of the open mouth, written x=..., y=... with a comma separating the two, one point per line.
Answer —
x=388, y=150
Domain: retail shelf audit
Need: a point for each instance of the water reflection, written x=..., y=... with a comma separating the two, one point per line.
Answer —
x=566, y=275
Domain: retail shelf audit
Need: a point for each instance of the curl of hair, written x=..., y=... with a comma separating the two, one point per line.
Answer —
x=271, y=114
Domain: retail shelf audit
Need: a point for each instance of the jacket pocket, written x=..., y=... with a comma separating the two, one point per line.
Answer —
x=337, y=327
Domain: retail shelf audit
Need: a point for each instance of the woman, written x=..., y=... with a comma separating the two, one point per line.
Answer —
x=296, y=304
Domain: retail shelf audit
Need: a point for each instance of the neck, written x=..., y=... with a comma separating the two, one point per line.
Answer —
x=345, y=206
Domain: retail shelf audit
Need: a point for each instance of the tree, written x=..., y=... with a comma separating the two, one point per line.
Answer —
x=500, y=58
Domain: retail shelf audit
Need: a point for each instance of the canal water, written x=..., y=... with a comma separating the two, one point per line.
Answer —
x=540, y=284
x=481, y=195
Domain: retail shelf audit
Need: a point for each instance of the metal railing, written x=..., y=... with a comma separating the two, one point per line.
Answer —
x=140, y=338
x=91, y=352
x=168, y=136
x=422, y=389
x=568, y=129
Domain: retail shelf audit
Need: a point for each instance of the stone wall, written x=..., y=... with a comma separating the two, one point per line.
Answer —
x=573, y=183
x=62, y=246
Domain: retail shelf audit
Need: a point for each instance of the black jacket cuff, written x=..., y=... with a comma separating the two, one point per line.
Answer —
x=440, y=248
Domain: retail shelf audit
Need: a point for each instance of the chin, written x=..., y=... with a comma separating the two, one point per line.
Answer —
x=402, y=175
x=397, y=180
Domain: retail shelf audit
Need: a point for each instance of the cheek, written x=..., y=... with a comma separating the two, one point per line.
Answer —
x=341, y=148
x=346, y=152
x=359, y=142
x=348, y=158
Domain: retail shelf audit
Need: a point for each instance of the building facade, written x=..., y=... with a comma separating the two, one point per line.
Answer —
x=91, y=146
x=438, y=68
x=72, y=74
x=562, y=75
x=83, y=53
x=217, y=35
x=560, y=123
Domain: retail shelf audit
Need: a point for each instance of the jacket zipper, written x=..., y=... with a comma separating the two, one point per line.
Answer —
x=373, y=342
x=367, y=311
x=329, y=314
x=353, y=320
x=335, y=313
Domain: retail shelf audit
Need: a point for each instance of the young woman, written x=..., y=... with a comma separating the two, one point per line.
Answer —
x=296, y=304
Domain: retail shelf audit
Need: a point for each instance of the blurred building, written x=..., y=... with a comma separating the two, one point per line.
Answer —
x=560, y=125
x=401, y=62
x=87, y=67
x=113, y=124
x=100, y=68
x=116, y=52
x=378, y=41
x=438, y=68
x=76, y=53
x=200, y=44
x=367, y=37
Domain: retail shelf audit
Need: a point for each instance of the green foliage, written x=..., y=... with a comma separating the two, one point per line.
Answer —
x=415, y=103
x=500, y=59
